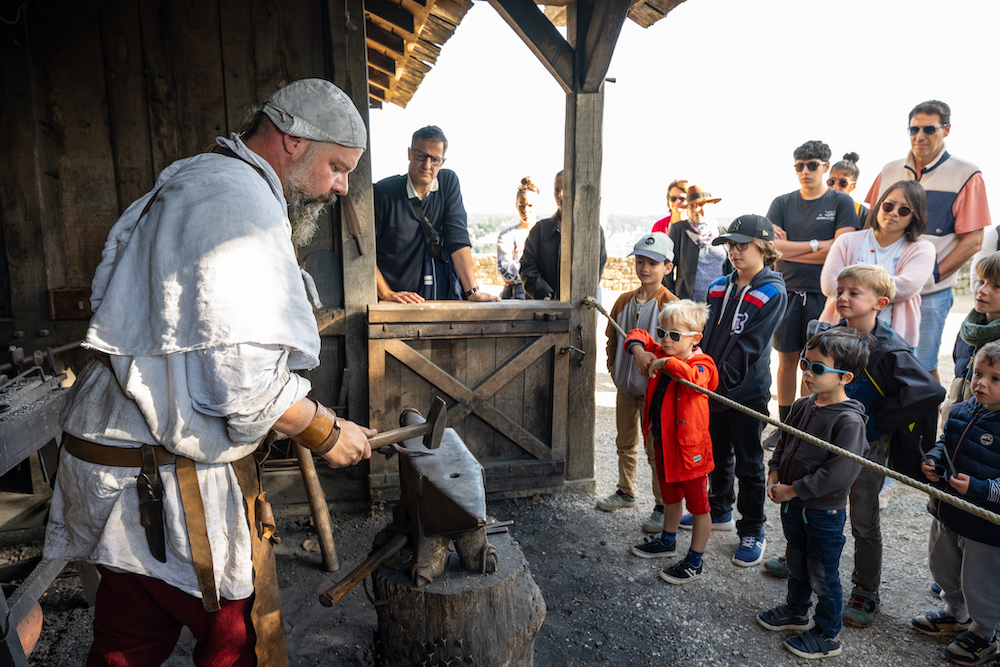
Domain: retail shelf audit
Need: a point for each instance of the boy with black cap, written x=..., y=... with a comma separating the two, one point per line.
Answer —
x=638, y=309
x=746, y=307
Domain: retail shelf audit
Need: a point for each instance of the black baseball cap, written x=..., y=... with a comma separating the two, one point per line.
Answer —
x=746, y=228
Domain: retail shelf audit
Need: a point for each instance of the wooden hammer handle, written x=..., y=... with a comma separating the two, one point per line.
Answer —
x=399, y=434
x=361, y=572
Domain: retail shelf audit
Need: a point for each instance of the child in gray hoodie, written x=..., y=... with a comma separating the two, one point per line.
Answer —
x=812, y=485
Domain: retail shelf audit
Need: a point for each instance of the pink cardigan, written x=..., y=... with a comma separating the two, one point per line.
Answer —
x=915, y=266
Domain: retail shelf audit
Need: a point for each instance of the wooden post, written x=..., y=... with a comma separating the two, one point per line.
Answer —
x=350, y=67
x=582, y=245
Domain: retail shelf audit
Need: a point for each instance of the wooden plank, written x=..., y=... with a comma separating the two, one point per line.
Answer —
x=391, y=13
x=164, y=130
x=602, y=36
x=480, y=363
x=127, y=106
x=468, y=311
x=377, y=418
x=87, y=198
x=512, y=368
x=466, y=329
x=542, y=38
x=378, y=78
x=381, y=62
x=513, y=475
x=380, y=38
x=196, y=47
x=509, y=399
x=21, y=199
x=560, y=400
x=470, y=401
x=239, y=81
x=350, y=73
x=54, y=23
x=330, y=321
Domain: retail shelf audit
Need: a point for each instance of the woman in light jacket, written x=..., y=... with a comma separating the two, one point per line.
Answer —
x=891, y=240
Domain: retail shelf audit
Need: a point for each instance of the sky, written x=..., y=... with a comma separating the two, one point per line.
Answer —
x=719, y=92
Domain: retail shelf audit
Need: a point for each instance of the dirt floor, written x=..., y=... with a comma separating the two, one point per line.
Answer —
x=604, y=606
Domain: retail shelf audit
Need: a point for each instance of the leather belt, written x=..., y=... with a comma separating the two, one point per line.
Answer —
x=91, y=452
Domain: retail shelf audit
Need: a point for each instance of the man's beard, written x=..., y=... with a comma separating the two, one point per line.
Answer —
x=303, y=208
x=303, y=213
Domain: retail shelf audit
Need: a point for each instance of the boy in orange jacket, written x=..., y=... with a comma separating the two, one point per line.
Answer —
x=677, y=421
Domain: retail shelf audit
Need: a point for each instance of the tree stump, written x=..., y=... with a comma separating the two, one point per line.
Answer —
x=461, y=618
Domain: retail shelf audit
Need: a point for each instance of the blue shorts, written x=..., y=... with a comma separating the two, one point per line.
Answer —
x=934, y=309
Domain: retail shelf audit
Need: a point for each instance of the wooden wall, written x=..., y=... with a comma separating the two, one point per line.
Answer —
x=97, y=97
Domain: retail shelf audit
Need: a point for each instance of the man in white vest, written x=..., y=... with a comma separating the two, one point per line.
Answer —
x=957, y=213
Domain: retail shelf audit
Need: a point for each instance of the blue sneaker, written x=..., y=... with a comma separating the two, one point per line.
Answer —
x=725, y=523
x=751, y=550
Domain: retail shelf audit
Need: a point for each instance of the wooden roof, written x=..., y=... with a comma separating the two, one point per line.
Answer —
x=405, y=38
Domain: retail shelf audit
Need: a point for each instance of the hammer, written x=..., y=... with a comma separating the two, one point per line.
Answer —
x=432, y=430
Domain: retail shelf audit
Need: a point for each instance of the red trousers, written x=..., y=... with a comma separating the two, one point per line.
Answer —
x=137, y=621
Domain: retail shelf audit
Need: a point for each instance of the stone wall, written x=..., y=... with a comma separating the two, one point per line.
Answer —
x=619, y=273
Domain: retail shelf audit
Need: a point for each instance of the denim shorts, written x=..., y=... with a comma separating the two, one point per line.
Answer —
x=934, y=309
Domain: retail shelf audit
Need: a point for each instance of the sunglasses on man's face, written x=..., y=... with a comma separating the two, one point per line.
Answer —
x=929, y=130
x=812, y=165
x=674, y=335
x=817, y=368
x=842, y=182
x=903, y=211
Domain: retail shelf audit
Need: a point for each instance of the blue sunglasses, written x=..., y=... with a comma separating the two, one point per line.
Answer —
x=817, y=368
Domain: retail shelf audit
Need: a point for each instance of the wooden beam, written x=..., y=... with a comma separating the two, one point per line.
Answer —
x=350, y=69
x=381, y=62
x=602, y=36
x=581, y=243
x=390, y=13
x=385, y=39
x=541, y=36
x=378, y=77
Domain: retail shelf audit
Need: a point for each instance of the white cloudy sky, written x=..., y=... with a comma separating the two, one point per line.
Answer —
x=719, y=92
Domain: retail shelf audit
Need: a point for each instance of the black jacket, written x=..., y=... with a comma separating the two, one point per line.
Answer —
x=680, y=281
x=821, y=479
x=978, y=456
x=540, y=261
x=908, y=408
x=740, y=343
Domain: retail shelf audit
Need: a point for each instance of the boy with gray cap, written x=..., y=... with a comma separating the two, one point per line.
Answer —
x=200, y=321
x=638, y=309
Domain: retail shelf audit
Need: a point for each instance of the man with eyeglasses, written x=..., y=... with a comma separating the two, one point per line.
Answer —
x=423, y=249
x=806, y=221
x=957, y=213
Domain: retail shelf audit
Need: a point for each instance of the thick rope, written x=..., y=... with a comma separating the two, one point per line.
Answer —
x=934, y=492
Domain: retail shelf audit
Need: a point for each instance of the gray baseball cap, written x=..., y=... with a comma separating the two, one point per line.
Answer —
x=657, y=246
x=318, y=110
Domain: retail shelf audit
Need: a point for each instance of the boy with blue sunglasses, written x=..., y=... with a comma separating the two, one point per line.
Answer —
x=812, y=485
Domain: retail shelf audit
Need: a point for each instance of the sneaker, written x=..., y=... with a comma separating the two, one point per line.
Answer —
x=771, y=440
x=883, y=497
x=935, y=589
x=725, y=523
x=971, y=649
x=860, y=610
x=811, y=645
x=654, y=524
x=653, y=547
x=681, y=572
x=782, y=618
x=777, y=567
x=615, y=501
x=939, y=624
x=751, y=550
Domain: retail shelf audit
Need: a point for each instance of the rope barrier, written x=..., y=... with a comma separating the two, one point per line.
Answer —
x=934, y=492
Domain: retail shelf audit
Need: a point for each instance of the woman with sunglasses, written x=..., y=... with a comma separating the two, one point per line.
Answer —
x=844, y=178
x=891, y=240
x=677, y=200
x=697, y=262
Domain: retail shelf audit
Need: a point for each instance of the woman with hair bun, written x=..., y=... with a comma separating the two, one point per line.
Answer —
x=844, y=177
x=510, y=243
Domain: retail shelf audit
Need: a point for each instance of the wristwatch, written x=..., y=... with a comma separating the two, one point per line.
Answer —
x=814, y=244
x=471, y=291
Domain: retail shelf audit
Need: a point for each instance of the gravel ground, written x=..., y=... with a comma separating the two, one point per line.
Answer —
x=605, y=606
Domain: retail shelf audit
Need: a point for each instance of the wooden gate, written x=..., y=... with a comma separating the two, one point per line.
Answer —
x=502, y=367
